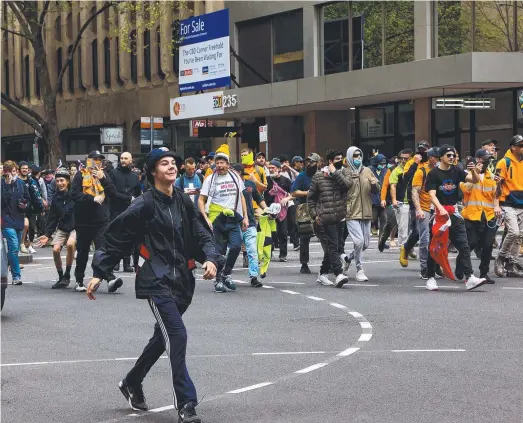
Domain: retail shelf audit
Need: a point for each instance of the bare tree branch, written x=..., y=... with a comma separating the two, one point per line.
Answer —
x=7, y=100
x=81, y=31
x=14, y=32
x=14, y=108
x=20, y=18
x=43, y=13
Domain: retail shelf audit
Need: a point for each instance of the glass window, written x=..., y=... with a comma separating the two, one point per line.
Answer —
x=94, y=62
x=134, y=63
x=287, y=50
x=58, y=29
x=147, y=54
x=118, y=79
x=498, y=118
x=367, y=34
x=399, y=26
x=81, y=85
x=93, y=22
x=335, y=38
x=107, y=62
x=406, y=118
x=454, y=27
x=255, y=52
x=377, y=121
x=6, y=76
x=59, y=68
x=69, y=26
x=161, y=75
x=174, y=43
x=494, y=25
x=445, y=121
x=70, y=71
x=26, y=79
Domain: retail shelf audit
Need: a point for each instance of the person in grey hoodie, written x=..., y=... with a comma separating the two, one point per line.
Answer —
x=359, y=208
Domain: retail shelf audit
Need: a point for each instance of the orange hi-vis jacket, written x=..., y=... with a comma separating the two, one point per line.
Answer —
x=512, y=176
x=479, y=198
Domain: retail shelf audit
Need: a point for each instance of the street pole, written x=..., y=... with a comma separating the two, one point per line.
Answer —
x=152, y=133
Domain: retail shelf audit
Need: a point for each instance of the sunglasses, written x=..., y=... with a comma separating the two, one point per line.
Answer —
x=450, y=155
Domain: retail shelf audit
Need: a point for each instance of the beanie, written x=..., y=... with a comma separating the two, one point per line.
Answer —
x=222, y=152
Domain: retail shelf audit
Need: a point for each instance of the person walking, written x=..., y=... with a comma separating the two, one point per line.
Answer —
x=190, y=182
x=327, y=202
x=227, y=214
x=128, y=188
x=443, y=184
x=60, y=221
x=362, y=184
x=15, y=201
x=172, y=235
x=510, y=201
x=378, y=166
x=90, y=191
x=392, y=226
x=35, y=207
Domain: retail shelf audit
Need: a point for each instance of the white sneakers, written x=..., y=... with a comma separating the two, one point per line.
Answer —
x=23, y=249
x=341, y=280
x=432, y=285
x=324, y=280
x=473, y=282
x=31, y=249
x=345, y=264
x=360, y=276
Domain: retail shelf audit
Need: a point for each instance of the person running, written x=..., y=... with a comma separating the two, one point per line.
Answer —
x=327, y=202
x=61, y=219
x=15, y=201
x=510, y=198
x=90, y=191
x=443, y=184
x=300, y=189
x=249, y=235
x=172, y=235
x=478, y=212
x=227, y=215
x=128, y=188
x=362, y=184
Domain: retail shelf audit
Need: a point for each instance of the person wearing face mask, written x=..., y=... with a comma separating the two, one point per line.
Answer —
x=378, y=165
x=327, y=202
x=509, y=199
x=392, y=226
x=300, y=190
x=362, y=184
x=478, y=212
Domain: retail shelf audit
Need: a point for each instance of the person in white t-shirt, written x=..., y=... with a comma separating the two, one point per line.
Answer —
x=222, y=194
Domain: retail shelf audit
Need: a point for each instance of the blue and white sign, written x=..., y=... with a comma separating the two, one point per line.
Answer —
x=204, y=52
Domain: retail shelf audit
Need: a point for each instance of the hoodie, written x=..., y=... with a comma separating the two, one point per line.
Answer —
x=364, y=183
x=511, y=171
x=379, y=174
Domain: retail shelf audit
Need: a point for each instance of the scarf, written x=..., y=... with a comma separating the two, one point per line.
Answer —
x=90, y=184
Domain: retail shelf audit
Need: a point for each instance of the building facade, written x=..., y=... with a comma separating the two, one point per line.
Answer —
x=319, y=74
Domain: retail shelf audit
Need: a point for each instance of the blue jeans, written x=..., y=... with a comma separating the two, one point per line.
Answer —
x=227, y=235
x=14, y=239
x=249, y=239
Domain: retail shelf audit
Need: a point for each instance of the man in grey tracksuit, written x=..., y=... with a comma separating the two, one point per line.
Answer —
x=359, y=207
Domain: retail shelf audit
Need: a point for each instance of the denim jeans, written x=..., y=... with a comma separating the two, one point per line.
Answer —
x=251, y=246
x=424, y=239
x=14, y=239
x=227, y=235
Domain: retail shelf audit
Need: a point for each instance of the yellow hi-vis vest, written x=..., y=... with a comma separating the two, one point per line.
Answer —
x=479, y=198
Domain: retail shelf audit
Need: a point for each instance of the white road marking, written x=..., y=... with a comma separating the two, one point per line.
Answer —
x=311, y=368
x=441, y=286
x=348, y=352
x=340, y=306
x=250, y=388
x=355, y=314
x=290, y=292
x=359, y=284
x=160, y=409
x=448, y=350
x=268, y=287
x=365, y=325
x=290, y=283
x=365, y=337
x=510, y=287
x=311, y=297
x=290, y=353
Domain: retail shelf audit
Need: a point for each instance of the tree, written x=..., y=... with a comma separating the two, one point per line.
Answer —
x=31, y=17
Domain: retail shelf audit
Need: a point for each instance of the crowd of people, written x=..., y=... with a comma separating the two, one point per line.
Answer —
x=160, y=219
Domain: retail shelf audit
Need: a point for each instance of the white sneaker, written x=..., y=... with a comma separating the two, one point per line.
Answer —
x=473, y=282
x=80, y=287
x=432, y=285
x=23, y=249
x=360, y=276
x=324, y=280
x=345, y=264
x=341, y=280
x=31, y=249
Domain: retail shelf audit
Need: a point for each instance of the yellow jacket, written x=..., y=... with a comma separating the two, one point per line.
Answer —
x=479, y=198
x=513, y=175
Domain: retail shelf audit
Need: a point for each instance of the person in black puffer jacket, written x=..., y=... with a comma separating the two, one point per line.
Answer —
x=60, y=218
x=327, y=201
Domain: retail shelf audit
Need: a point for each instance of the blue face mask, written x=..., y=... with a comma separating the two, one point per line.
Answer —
x=357, y=162
x=380, y=167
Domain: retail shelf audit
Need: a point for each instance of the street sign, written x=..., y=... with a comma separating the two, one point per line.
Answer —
x=197, y=106
x=111, y=135
x=204, y=55
x=264, y=130
x=36, y=158
x=151, y=131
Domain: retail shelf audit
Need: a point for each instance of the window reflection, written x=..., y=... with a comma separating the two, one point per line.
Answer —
x=399, y=26
x=367, y=33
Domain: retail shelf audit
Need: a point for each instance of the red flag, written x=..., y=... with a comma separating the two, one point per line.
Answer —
x=440, y=241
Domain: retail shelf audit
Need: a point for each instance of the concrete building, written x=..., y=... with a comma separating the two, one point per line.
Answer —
x=319, y=74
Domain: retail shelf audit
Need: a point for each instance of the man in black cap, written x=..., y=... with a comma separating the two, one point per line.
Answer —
x=261, y=160
x=172, y=235
x=90, y=189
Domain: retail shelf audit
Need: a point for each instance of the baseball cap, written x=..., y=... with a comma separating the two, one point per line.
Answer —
x=488, y=141
x=284, y=158
x=423, y=144
x=157, y=154
x=516, y=140
x=261, y=153
x=313, y=157
x=96, y=154
x=62, y=173
x=211, y=155
x=483, y=153
x=35, y=169
x=238, y=167
x=433, y=152
x=276, y=163
x=296, y=159
x=444, y=149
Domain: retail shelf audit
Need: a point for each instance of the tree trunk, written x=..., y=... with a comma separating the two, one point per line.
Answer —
x=51, y=135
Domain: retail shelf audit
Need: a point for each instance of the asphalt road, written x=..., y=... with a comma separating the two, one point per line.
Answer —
x=382, y=351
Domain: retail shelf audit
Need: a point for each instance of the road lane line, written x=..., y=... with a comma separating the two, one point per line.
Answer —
x=250, y=388
x=444, y=350
x=290, y=353
x=358, y=284
x=160, y=409
x=268, y=287
x=312, y=297
x=442, y=286
x=340, y=306
x=289, y=292
x=510, y=287
x=356, y=314
x=348, y=352
x=311, y=368
x=365, y=337
x=365, y=325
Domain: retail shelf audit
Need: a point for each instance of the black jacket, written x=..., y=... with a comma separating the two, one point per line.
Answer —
x=170, y=231
x=127, y=185
x=61, y=214
x=327, y=198
x=14, y=196
x=86, y=211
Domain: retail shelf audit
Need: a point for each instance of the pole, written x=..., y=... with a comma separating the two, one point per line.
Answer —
x=152, y=133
